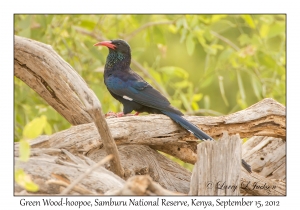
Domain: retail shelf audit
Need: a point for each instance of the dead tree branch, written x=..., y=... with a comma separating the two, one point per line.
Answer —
x=85, y=174
x=215, y=159
x=267, y=117
x=39, y=66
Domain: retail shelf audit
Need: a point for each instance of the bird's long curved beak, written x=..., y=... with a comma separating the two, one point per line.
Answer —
x=106, y=44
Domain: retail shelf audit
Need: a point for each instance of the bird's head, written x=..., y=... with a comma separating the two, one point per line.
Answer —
x=117, y=45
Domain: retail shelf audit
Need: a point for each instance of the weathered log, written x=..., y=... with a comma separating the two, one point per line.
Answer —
x=42, y=69
x=218, y=167
x=39, y=66
x=56, y=176
x=161, y=133
x=142, y=185
x=210, y=178
x=87, y=172
x=44, y=168
x=254, y=184
x=136, y=160
x=142, y=160
x=267, y=156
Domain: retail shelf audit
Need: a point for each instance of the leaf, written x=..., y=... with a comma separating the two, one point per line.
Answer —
x=264, y=30
x=43, y=21
x=276, y=29
x=244, y=140
x=256, y=87
x=195, y=105
x=225, y=55
x=186, y=103
x=88, y=24
x=34, y=128
x=244, y=39
x=222, y=26
x=248, y=19
x=256, y=40
x=182, y=84
x=190, y=44
x=183, y=35
x=207, y=81
x=211, y=50
x=241, y=86
x=136, y=52
x=24, y=150
x=159, y=35
x=222, y=90
x=197, y=97
x=217, y=46
x=218, y=18
x=176, y=103
x=267, y=60
x=173, y=29
x=156, y=75
x=25, y=23
x=25, y=32
x=48, y=129
x=25, y=181
x=174, y=71
x=206, y=102
x=242, y=103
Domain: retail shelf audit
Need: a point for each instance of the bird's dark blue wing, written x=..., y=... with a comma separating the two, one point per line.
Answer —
x=134, y=88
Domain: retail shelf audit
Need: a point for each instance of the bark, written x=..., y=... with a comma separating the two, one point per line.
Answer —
x=215, y=159
x=45, y=167
x=161, y=133
x=42, y=69
x=136, y=160
x=267, y=156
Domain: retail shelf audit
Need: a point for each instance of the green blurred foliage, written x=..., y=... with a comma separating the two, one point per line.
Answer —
x=207, y=64
x=25, y=181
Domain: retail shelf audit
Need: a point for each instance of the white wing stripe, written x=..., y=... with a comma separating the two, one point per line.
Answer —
x=127, y=98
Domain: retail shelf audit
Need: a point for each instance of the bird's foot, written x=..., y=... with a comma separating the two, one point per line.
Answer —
x=111, y=114
x=120, y=114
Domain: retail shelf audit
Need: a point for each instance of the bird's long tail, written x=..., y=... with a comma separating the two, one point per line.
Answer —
x=188, y=126
x=197, y=132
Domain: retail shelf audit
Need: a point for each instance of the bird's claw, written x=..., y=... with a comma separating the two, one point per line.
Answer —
x=111, y=114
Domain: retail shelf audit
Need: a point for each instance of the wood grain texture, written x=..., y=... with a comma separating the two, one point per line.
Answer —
x=42, y=69
x=218, y=167
x=45, y=167
x=136, y=160
x=161, y=133
x=267, y=156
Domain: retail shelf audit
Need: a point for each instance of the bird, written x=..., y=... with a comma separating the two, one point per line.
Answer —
x=129, y=88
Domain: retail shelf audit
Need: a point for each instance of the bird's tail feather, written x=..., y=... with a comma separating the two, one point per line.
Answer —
x=197, y=132
x=188, y=126
x=246, y=166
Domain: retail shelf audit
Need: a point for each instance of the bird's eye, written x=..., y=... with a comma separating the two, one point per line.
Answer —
x=118, y=43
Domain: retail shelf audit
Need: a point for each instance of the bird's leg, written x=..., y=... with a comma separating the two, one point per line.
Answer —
x=111, y=114
x=137, y=113
x=120, y=114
